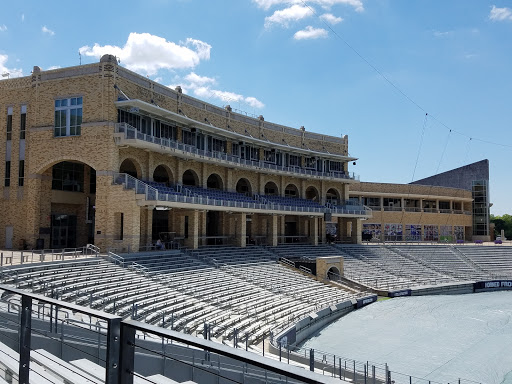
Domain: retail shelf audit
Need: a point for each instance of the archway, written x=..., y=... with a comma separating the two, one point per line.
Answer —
x=214, y=181
x=131, y=168
x=291, y=190
x=190, y=178
x=333, y=273
x=243, y=186
x=332, y=196
x=312, y=194
x=271, y=189
x=162, y=174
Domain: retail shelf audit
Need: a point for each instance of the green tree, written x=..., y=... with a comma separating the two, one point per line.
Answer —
x=503, y=222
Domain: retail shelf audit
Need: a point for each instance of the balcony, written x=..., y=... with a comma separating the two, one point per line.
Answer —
x=126, y=132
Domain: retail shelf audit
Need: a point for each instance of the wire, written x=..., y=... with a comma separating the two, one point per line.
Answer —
x=396, y=87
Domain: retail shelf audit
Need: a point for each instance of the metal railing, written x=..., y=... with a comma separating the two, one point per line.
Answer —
x=153, y=194
x=124, y=342
x=132, y=133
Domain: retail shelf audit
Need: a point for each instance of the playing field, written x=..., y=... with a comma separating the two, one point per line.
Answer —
x=439, y=338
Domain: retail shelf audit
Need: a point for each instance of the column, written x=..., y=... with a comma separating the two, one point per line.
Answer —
x=192, y=241
x=146, y=225
x=357, y=229
x=240, y=229
x=313, y=231
x=272, y=230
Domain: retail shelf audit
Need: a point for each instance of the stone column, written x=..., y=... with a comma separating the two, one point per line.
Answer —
x=272, y=230
x=146, y=225
x=313, y=231
x=240, y=229
x=357, y=229
x=192, y=241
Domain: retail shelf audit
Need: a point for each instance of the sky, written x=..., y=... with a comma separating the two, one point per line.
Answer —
x=419, y=87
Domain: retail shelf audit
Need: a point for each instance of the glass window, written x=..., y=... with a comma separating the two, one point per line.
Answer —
x=68, y=117
x=7, y=181
x=293, y=161
x=23, y=121
x=21, y=173
x=9, y=123
x=68, y=176
x=412, y=232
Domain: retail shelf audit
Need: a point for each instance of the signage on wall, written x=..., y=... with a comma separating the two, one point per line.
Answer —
x=493, y=285
x=402, y=292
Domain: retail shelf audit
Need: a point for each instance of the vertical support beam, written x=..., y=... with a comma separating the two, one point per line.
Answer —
x=272, y=231
x=25, y=336
x=192, y=241
x=357, y=229
x=113, y=351
x=127, y=355
x=241, y=229
x=313, y=231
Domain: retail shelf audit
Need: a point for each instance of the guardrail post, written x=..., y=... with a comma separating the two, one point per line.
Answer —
x=25, y=336
x=126, y=355
x=312, y=360
x=373, y=374
x=354, y=371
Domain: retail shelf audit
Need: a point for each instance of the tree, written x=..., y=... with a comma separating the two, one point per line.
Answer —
x=503, y=222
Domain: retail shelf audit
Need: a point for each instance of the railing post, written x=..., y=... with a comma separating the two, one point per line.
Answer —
x=126, y=354
x=25, y=336
x=312, y=360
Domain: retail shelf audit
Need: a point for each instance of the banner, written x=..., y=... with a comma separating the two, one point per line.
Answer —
x=493, y=285
x=365, y=301
x=402, y=292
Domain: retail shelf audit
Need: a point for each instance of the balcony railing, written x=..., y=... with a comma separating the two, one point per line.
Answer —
x=132, y=133
x=153, y=194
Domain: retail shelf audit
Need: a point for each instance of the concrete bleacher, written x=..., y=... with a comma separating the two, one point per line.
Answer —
x=494, y=260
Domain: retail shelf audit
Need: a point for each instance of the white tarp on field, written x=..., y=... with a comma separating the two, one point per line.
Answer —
x=439, y=338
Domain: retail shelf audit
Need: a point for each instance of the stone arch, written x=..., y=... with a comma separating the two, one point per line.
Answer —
x=244, y=186
x=190, y=178
x=271, y=189
x=163, y=174
x=291, y=190
x=332, y=196
x=131, y=167
x=214, y=181
x=312, y=194
x=333, y=273
x=48, y=166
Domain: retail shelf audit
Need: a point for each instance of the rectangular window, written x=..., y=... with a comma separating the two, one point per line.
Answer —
x=335, y=166
x=21, y=173
x=293, y=161
x=413, y=232
x=7, y=182
x=23, y=121
x=68, y=117
x=310, y=162
x=9, y=123
x=68, y=176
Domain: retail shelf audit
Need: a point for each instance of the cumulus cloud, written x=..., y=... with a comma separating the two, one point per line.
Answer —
x=202, y=87
x=3, y=28
x=47, y=30
x=310, y=33
x=500, y=14
x=326, y=4
x=13, y=72
x=148, y=53
x=331, y=19
x=285, y=16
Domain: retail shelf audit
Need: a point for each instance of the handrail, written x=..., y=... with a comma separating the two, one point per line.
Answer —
x=133, y=134
x=153, y=194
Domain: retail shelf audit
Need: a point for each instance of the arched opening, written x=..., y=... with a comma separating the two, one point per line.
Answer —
x=73, y=191
x=129, y=167
x=161, y=175
x=243, y=186
x=292, y=191
x=332, y=196
x=214, y=182
x=190, y=178
x=333, y=273
x=312, y=194
x=271, y=189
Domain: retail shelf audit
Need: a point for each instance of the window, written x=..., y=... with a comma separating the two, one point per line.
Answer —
x=7, y=182
x=9, y=123
x=335, y=166
x=68, y=117
x=310, y=162
x=67, y=176
x=23, y=121
x=293, y=161
x=21, y=173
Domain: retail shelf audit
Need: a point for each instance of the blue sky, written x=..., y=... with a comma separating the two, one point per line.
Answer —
x=370, y=69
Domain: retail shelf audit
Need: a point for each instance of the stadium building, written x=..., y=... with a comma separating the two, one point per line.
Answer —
x=99, y=154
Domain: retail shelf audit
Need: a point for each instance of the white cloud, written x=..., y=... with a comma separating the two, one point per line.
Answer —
x=48, y=31
x=148, y=53
x=440, y=34
x=500, y=14
x=285, y=16
x=326, y=4
x=13, y=72
x=201, y=86
x=331, y=19
x=22, y=17
x=53, y=67
x=310, y=33
x=3, y=28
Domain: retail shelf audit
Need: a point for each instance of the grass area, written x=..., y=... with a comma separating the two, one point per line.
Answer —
x=382, y=298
